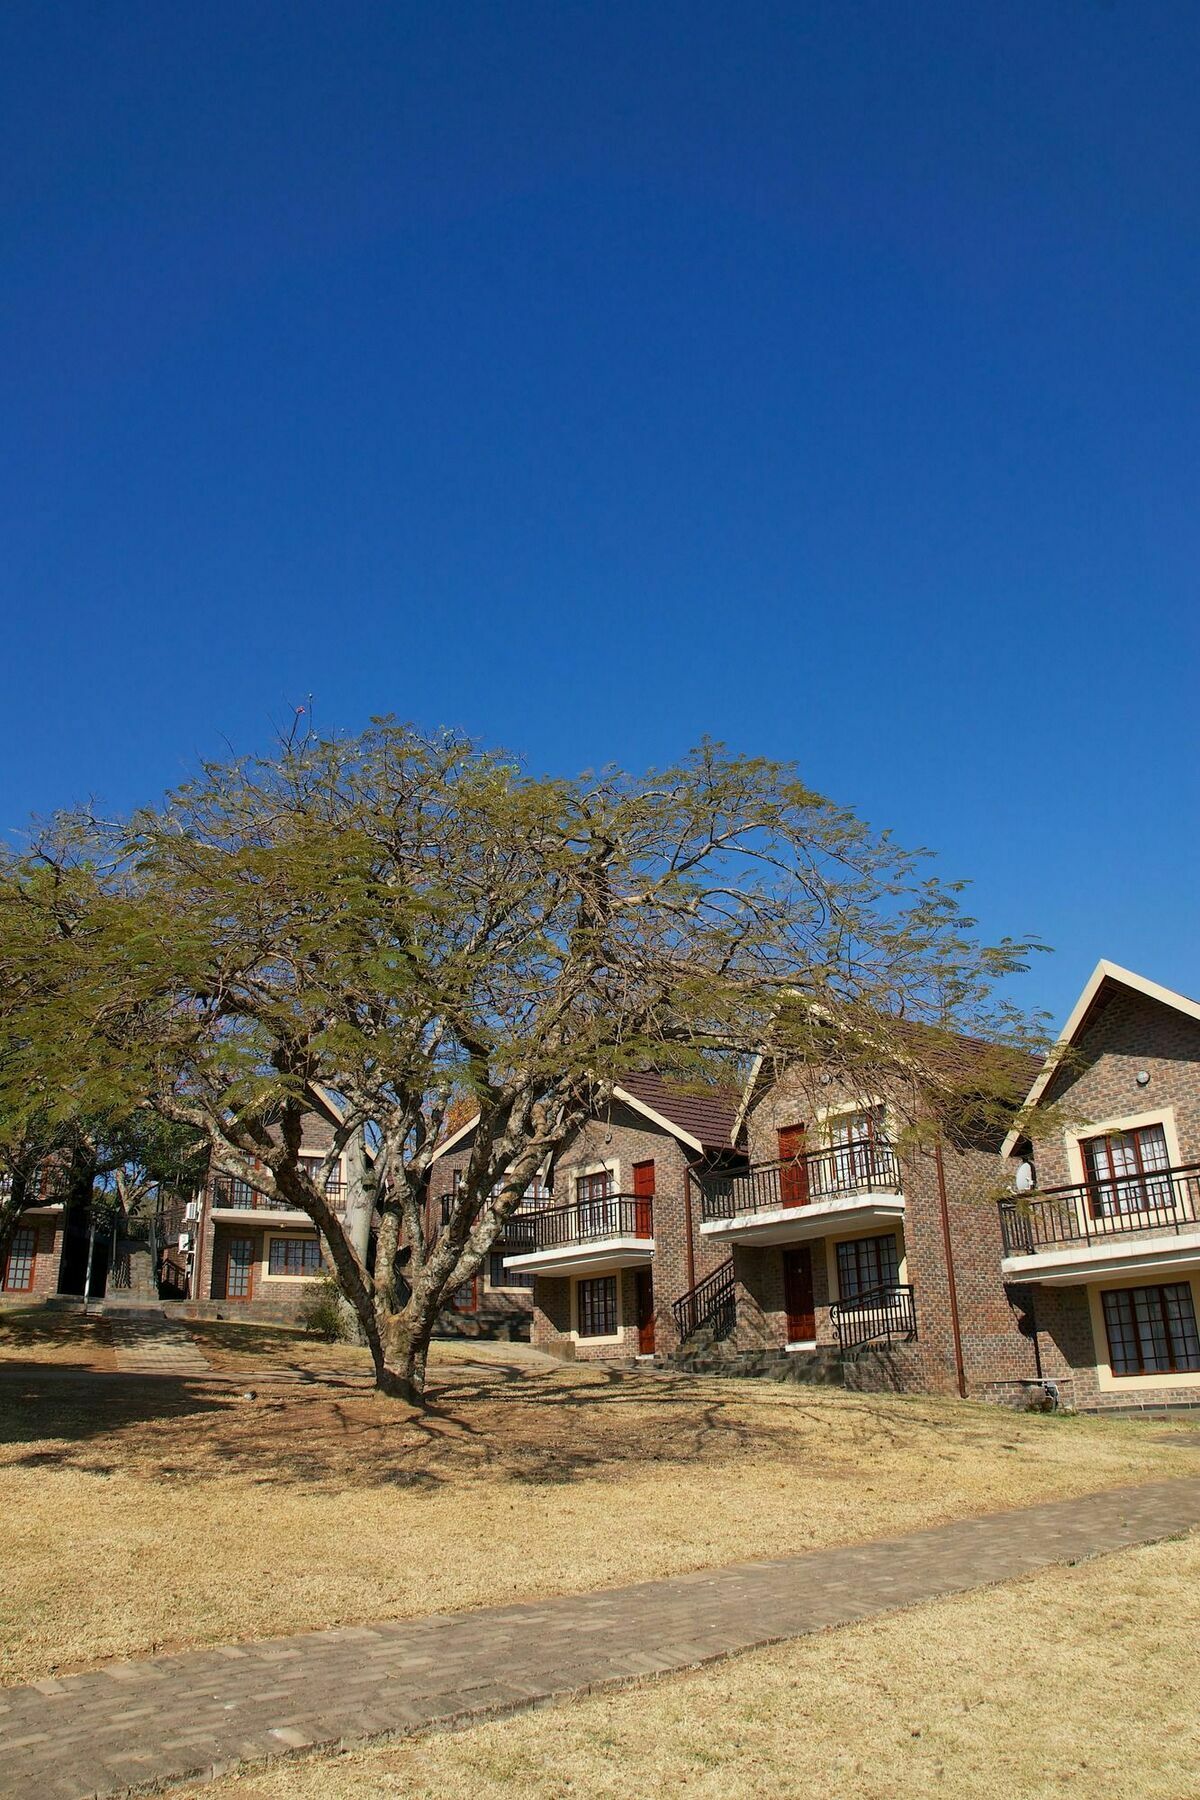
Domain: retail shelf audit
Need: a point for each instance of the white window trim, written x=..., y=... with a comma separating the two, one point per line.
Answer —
x=270, y=1237
x=605, y=1275
x=1106, y=1381
x=1162, y=1115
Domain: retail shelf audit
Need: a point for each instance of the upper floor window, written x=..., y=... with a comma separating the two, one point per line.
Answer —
x=1125, y=1170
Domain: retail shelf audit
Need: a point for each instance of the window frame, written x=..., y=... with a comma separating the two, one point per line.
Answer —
x=511, y=1280
x=585, y=1305
x=29, y=1257
x=282, y=1240
x=888, y=1279
x=1130, y=1329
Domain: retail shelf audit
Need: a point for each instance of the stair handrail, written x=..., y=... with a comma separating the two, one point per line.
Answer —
x=712, y=1298
x=890, y=1311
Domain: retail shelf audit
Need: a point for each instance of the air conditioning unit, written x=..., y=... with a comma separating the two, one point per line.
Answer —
x=185, y=1240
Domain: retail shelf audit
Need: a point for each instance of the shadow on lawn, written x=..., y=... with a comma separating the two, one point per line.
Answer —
x=496, y=1422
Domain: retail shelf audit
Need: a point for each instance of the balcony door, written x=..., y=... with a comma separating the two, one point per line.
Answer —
x=1124, y=1171
x=592, y=1194
x=643, y=1195
x=239, y=1269
x=798, y=1300
x=793, y=1170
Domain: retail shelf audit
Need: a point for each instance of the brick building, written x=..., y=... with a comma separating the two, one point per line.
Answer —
x=253, y=1257
x=608, y=1240
x=1106, y=1235
x=848, y=1248
x=31, y=1269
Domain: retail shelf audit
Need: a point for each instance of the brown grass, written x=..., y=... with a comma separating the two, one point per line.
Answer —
x=152, y=1513
x=1075, y=1681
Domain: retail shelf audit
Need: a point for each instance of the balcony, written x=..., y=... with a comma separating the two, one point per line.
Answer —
x=844, y=1188
x=589, y=1237
x=1130, y=1225
x=230, y=1198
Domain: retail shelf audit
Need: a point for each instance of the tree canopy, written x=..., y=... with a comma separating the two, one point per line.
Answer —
x=404, y=920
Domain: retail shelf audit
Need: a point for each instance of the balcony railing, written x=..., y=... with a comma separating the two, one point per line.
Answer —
x=1095, y=1212
x=589, y=1221
x=238, y=1195
x=866, y=1165
x=882, y=1315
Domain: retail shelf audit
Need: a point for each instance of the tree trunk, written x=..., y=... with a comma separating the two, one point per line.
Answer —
x=358, y=1221
x=400, y=1351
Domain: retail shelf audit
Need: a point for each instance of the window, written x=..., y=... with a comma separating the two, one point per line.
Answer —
x=1151, y=1330
x=22, y=1256
x=294, y=1256
x=865, y=1264
x=853, y=1138
x=598, y=1307
x=596, y=1217
x=500, y=1277
x=465, y=1296
x=1123, y=1171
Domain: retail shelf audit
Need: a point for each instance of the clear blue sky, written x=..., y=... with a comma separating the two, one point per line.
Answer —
x=821, y=377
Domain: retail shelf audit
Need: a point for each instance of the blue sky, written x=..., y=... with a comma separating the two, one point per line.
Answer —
x=818, y=377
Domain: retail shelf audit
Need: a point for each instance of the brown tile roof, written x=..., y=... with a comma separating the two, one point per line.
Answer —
x=704, y=1113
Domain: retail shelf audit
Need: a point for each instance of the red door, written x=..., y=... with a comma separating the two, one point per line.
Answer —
x=239, y=1269
x=793, y=1172
x=645, y=1312
x=798, y=1295
x=643, y=1194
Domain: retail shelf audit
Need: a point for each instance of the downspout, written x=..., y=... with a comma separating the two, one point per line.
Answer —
x=955, y=1326
x=687, y=1211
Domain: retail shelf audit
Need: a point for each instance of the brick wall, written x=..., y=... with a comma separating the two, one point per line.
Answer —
x=1126, y=1034
x=47, y=1257
x=994, y=1346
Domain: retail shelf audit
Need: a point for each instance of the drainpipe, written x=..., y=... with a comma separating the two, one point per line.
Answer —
x=955, y=1327
x=691, y=1241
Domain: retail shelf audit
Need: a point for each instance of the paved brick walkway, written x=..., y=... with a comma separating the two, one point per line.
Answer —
x=155, y=1346
x=132, y=1725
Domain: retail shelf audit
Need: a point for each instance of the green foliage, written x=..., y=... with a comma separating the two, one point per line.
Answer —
x=411, y=923
x=323, y=1311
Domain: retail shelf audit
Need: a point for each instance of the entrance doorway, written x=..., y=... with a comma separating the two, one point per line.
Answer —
x=645, y=1311
x=798, y=1296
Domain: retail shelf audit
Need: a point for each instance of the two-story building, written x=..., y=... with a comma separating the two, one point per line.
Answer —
x=1103, y=1226
x=607, y=1245
x=255, y=1255
x=850, y=1232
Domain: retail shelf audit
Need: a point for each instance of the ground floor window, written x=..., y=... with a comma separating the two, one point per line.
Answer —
x=22, y=1255
x=294, y=1256
x=866, y=1264
x=1151, y=1330
x=465, y=1297
x=500, y=1277
x=598, y=1307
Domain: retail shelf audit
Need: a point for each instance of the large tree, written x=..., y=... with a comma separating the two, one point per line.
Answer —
x=404, y=920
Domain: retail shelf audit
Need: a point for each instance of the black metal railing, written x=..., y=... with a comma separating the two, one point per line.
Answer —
x=867, y=1165
x=711, y=1304
x=517, y=1234
x=882, y=1314
x=587, y=1221
x=1094, y=1212
x=241, y=1196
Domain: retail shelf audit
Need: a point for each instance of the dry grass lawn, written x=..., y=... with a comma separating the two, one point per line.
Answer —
x=149, y=1514
x=1075, y=1681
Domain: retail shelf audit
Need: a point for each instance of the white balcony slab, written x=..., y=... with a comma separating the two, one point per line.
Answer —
x=601, y=1256
x=1158, y=1253
x=794, y=1224
x=270, y=1216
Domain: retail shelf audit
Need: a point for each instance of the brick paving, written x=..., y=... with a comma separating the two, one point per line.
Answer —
x=155, y=1346
x=131, y=1726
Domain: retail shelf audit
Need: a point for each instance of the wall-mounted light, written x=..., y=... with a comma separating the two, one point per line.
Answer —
x=1143, y=1078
